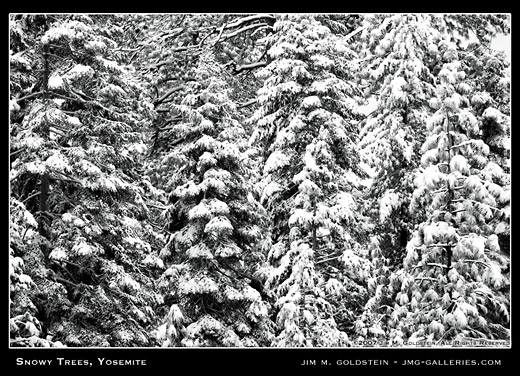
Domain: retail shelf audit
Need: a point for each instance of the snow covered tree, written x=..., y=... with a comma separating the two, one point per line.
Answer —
x=76, y=141
x=212, y=256
x=306, y=126
x=401, y=51
x=389, y=282
x=455, y=286
x=168, y=48
x=25, y=326
x=489, y=75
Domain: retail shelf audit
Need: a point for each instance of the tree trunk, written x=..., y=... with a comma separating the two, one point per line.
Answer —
x=44, y=180
x=449, y=204
x=314, y=237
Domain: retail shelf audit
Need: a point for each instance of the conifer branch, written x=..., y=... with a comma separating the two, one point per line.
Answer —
x=434, y=264
x=248, y=103
x=31, y=196
x=328, y=259
x=357, y=31
x=426, y=279
x=239, y=31
x=64, y=177
x=241, y=68
x=476, y=262
x=255, y=17
x=457, y=211
x=66, y=281
x=440, y=245
x=160, y=100
x=11, y=155
x=29, y=96
x=68, y=98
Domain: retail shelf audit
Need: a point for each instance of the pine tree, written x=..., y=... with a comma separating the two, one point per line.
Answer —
x=212, y=256
x=455, y=283
x=25, y=325
x=490, y=98
x=306, y=123
x=401, y=52
x=167, y=51
x=77, y=145
x=390, y=284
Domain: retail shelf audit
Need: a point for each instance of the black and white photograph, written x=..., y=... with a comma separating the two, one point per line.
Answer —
x=305, y=184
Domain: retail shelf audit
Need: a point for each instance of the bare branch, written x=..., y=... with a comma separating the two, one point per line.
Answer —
x=64, y=281
x=57, y=131
x=442, y=266
x=64, y=177
x=68, y=98
x=476, y=262
x=250, y=18
x=440, y=245
x=248, y=103
x=163, y=109
x=239, y=31
x=221, y=38
x=329, y=259
x=244, y=67
x=358, y=30
x=31, y=196
x=165, y=62
x=29, y=96
x=261, y=28
x=457, y=211
x=171, y=33
x=165, y=96
x=15, y=152
x=157, y=206
x=181, y=21
x=425, y=279
x=219, y=34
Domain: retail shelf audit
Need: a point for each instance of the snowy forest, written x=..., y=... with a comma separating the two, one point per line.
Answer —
x=258, y=180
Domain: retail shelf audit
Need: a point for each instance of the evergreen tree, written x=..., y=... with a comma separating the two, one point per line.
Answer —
x=77, y=145
x=401, y=50
x=212, y=255
x=455, y=284
x=488, y=73
x=306, y=122
x=25, y=325
x=389, y=284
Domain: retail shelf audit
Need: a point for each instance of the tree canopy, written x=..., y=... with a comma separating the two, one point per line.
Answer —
x=258, y=180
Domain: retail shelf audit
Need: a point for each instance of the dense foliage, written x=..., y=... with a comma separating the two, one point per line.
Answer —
x=258, y=180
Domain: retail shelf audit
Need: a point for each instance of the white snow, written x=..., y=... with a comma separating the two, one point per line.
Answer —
x=57, y=162
x=200, y=250
x=459, y=163
x=312, y=101
x=35, y=167
x=201, y=210
x=218, y=225
x=79, y=72
x=13, y=106
x=55, y=82
x=322, y=61
x=397, y=88
x=276, y=160
x=387, y=204
x=82, y=248
x=58, y=253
